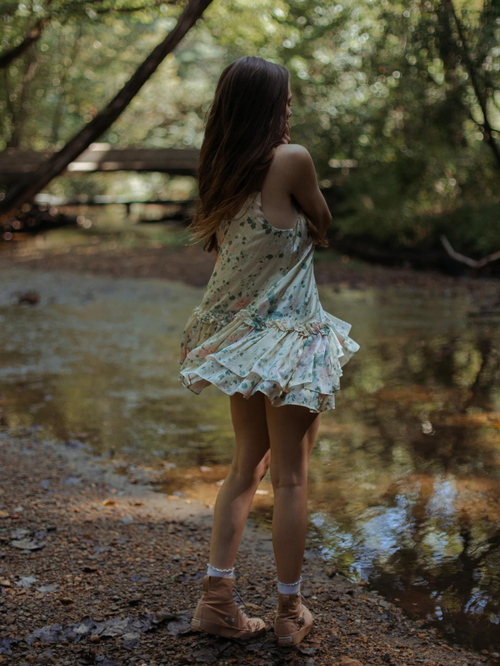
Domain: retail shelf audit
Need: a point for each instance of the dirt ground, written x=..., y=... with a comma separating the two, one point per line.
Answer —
x=97, y=570
x=193, y=266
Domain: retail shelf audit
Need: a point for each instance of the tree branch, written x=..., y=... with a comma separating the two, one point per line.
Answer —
x=473, y=263
x=130, y=10
x=36, y=32
x=26, y=189
x=32, y=37
x=475, y=84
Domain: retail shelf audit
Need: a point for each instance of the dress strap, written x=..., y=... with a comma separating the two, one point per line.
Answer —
x=257, y=200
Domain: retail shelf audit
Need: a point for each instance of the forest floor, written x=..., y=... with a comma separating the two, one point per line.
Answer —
x=97, y=570
x=193, y=266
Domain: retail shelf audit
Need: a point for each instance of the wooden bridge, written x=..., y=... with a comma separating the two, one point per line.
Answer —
x=15, y=163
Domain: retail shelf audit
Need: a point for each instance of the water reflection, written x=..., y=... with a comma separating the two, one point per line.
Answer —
x=408, y=498
x=404, y=479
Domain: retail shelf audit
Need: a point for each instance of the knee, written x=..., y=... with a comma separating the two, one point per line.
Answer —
x=288, y=478
x=250, y=477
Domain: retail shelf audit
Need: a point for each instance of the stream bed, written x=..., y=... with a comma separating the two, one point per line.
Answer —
x=404, y=484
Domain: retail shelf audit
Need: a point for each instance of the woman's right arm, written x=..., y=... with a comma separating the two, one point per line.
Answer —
x=304, y=187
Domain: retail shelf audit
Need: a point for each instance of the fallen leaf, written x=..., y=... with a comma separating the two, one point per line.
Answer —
x=26, y=581
x=52, y=587
x=27, y=544
x=177, y=627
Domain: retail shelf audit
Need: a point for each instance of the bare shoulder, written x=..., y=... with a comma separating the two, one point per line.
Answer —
x=293, y=158
x=291, y=151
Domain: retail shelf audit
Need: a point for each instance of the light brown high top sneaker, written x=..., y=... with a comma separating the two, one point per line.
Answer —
x=218, y=613
x=293, y=619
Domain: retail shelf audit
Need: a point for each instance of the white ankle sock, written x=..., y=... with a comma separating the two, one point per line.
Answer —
x=222, y=573
x=289, y=588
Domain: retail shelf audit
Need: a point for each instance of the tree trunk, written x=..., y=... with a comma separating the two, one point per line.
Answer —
x=19, y=118
x=33, y=36
x=481, y=95
x=27, y=188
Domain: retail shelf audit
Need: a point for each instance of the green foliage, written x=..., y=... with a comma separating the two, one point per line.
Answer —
x=384, y=84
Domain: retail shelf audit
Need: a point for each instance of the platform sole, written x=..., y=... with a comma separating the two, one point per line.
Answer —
x=222, y=630
x=295, y=638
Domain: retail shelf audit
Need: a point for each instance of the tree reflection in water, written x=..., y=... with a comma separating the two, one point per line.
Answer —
x=409, y=497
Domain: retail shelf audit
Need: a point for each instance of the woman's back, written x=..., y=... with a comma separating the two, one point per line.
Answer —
x=280, y=208
x=258, y=249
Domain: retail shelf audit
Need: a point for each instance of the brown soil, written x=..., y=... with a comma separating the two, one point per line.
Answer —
x=193, y=266
x=96, y=570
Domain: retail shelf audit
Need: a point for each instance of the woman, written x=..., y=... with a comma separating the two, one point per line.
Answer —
x=260, y=333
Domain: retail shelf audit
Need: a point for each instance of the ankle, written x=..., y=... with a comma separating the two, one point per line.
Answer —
x=220, y=573
x=289, y=588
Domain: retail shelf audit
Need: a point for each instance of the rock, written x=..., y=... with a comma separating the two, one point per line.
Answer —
x=135, y=601
x=6, y=645
x=28, y=297
x=177, y=627
x=52, y=587
x=205, y=656
x=131, y=639
x=127, y=519
x=308, y=651
x=27, y=544
x=26, y=581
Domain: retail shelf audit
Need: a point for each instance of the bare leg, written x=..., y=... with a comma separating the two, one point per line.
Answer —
x=292, y=432
x=250, y=464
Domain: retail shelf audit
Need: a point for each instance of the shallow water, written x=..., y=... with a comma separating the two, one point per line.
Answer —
x=404, y=482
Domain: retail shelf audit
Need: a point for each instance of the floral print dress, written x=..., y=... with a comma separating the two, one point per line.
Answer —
x=260, y=325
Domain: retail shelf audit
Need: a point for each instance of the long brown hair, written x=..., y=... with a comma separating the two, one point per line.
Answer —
x=246, y=121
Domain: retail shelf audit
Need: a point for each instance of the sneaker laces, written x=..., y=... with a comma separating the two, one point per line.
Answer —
x=303, y=579
x=245, y=608
x=253, y=624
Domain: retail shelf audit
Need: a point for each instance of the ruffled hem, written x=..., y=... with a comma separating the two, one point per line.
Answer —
x=292, y=363
x=230, y=384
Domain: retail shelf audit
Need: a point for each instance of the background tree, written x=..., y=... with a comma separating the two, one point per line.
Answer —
x=386, y=85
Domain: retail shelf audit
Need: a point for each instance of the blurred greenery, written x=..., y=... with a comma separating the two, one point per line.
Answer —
x=384, y=84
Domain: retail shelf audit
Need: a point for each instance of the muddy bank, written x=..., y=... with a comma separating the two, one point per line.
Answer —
x=193, y=266
x=96, y=570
